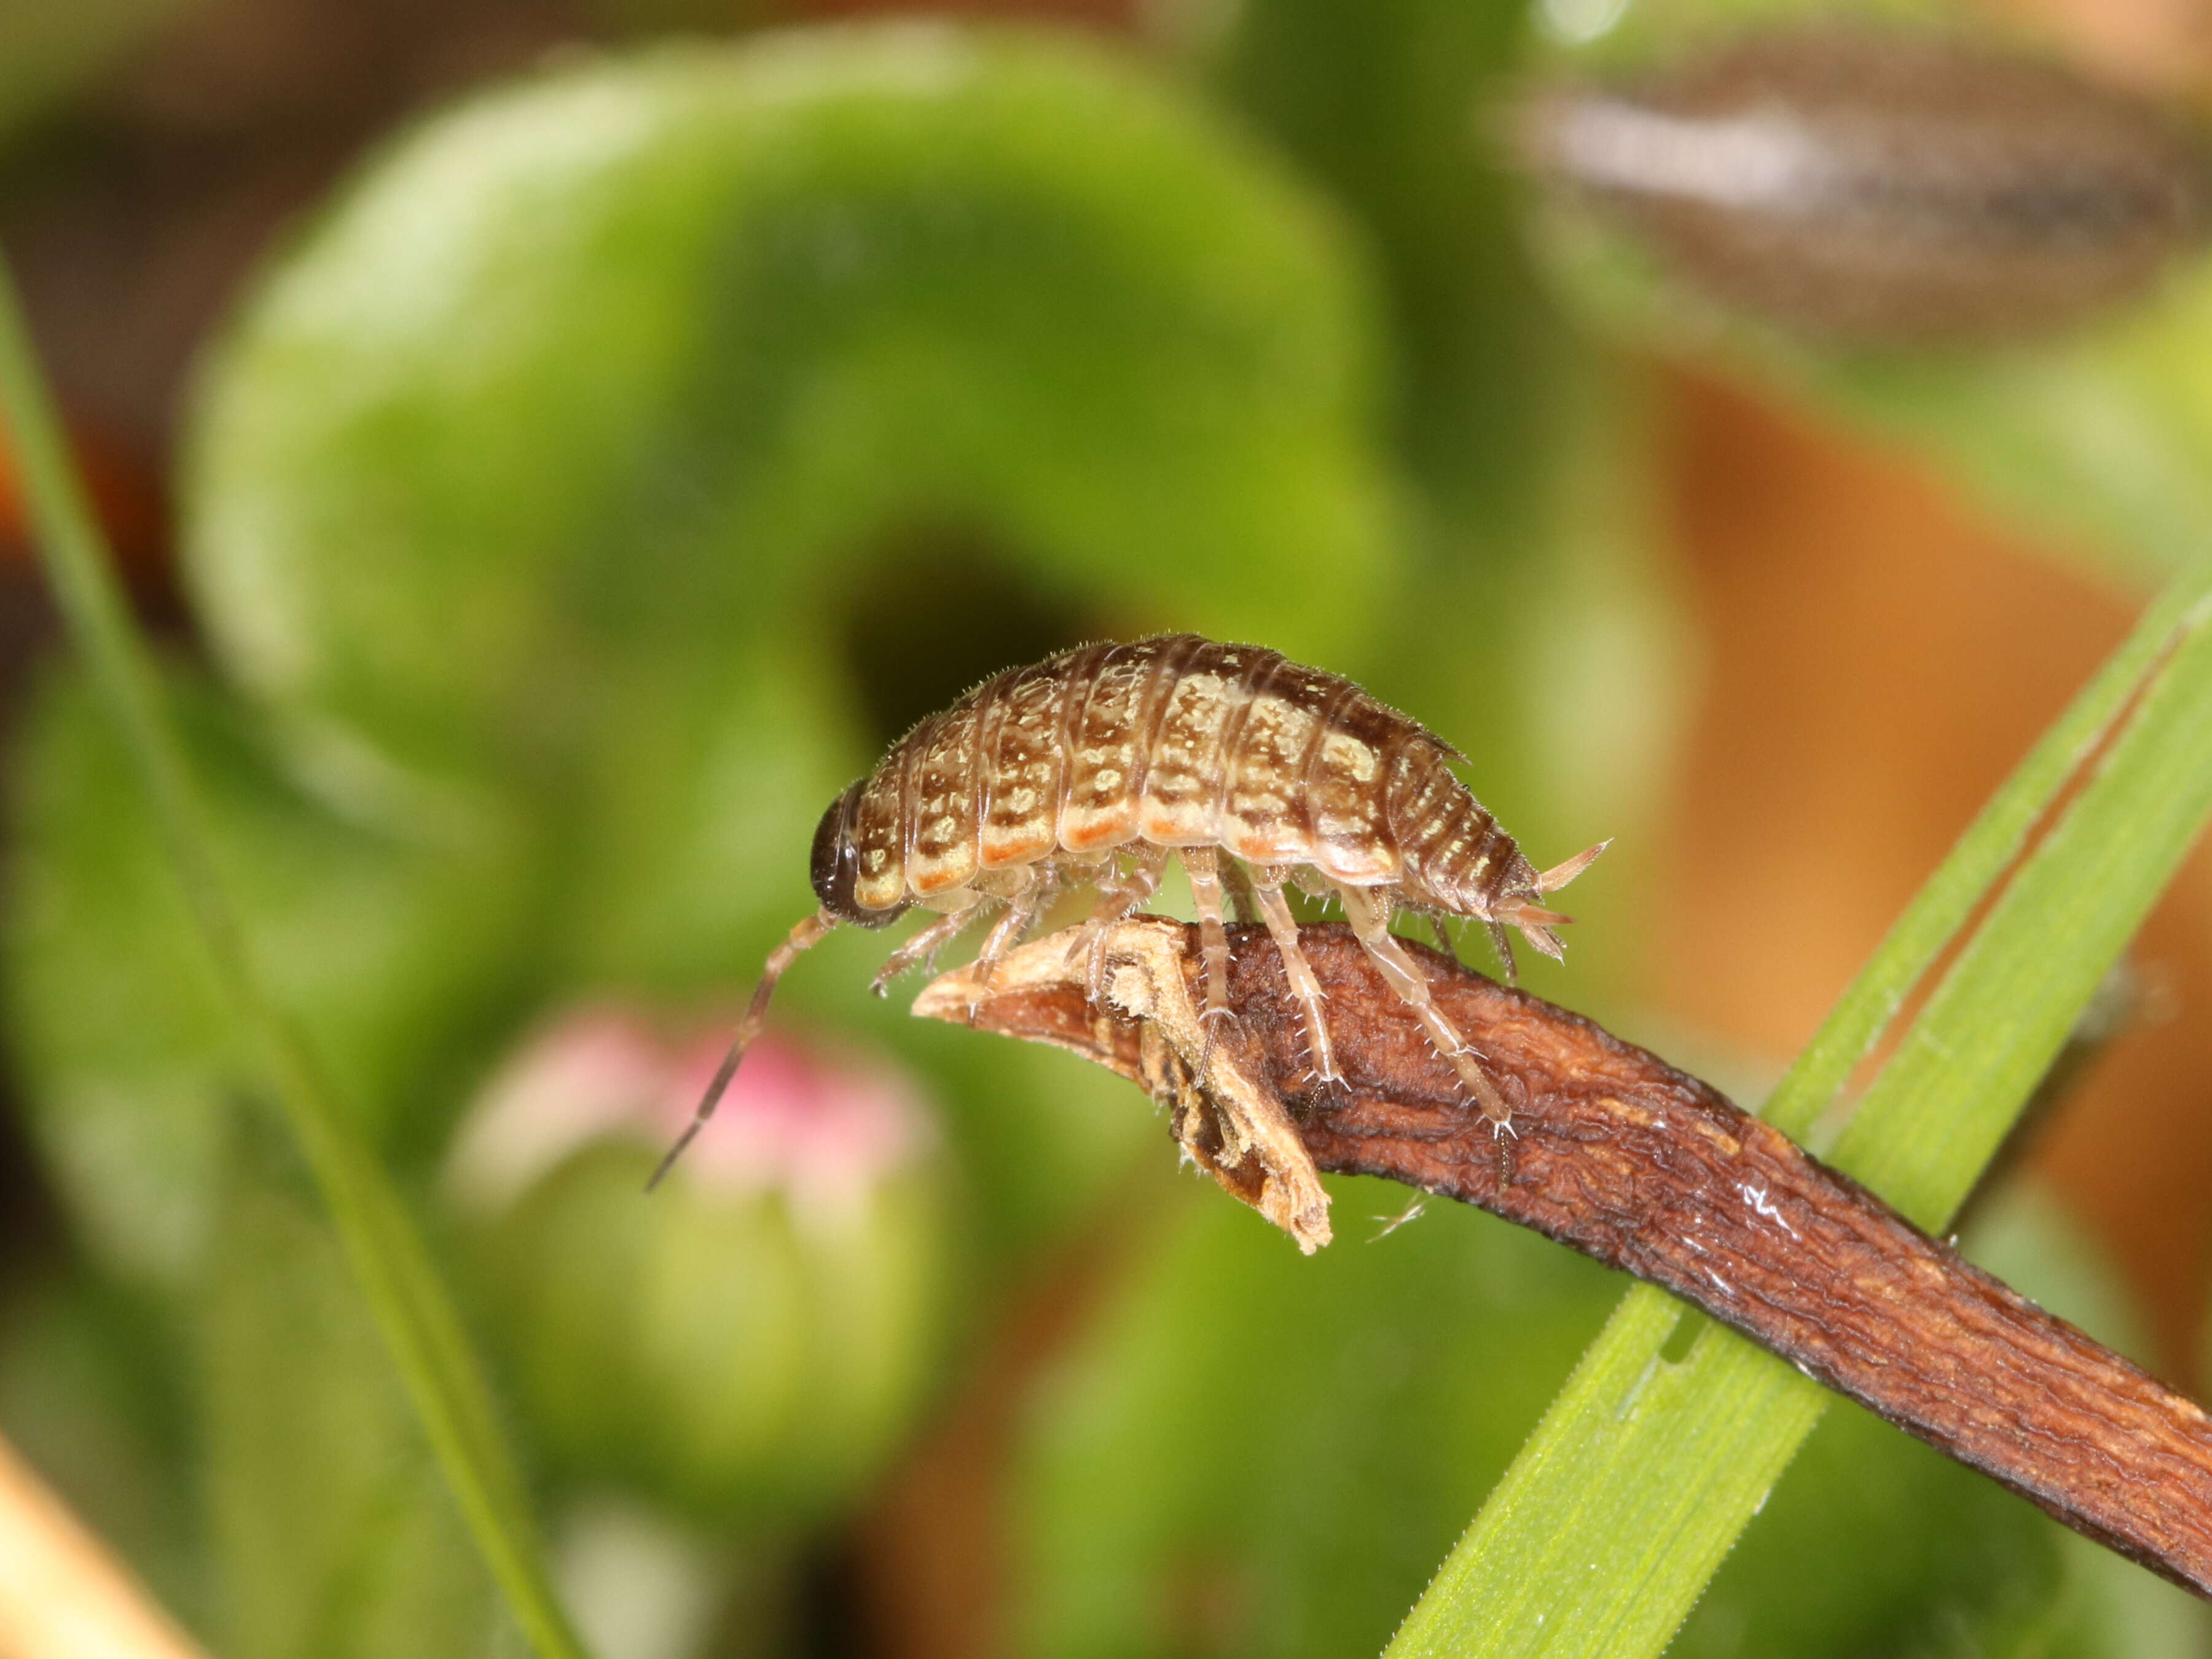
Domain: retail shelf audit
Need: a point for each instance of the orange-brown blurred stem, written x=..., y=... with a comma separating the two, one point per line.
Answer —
x=1646, y=1168
x=62, y=1596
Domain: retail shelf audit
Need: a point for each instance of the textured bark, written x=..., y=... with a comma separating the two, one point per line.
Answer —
x=1648, y=1169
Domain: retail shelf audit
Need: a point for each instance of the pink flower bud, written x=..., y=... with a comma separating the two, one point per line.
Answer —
x=745, y=1342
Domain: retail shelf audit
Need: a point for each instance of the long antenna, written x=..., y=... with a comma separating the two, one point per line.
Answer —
x=803, y=938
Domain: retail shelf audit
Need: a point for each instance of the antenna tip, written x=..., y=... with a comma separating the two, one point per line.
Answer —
x=668, y=1159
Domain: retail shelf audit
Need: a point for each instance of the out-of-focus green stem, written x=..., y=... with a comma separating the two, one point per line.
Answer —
x=384, y=1250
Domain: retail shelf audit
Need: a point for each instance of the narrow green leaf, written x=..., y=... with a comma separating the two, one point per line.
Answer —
x=1624, y=1500
x=1631, y=1491
x=1983, y=854
x=334, y=1532
x=1940, y=1108
x=386, y=1253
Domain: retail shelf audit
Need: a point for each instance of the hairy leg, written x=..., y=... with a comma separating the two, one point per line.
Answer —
x=1283, y=928
x=1372, y=923
x=1119, y=898
x=1502, y=942
x=1022, y=912
x=1244, y=903
x=1203, y=865
x=924, y=946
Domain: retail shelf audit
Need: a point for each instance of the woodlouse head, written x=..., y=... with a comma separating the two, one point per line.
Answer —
x=836, y=865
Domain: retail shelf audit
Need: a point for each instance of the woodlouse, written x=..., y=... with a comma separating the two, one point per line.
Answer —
x=1884, y=183
x=1106, y=761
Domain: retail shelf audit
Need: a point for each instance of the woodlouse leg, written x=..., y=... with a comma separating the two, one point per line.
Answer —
x=1243, y=902
x=1203, y=865
x=922, y=946
x=801, y=938
x=1371, y=923
x=1502, y=942
x=1022, y=912
x=1283, y=928
x=1118, y=900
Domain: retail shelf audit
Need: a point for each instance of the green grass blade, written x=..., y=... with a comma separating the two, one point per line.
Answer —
x=1972, y=867
x=1941, y=1106
x=1625, y=1500
x=1602, y=1535
x=381, y=1244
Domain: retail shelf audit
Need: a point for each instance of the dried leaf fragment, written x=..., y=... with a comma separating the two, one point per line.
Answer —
x=1234, y=1127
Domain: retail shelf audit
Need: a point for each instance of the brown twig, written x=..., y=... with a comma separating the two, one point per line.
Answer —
x=1645, y=1169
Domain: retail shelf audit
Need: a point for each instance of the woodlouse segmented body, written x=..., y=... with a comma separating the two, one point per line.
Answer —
x=1172, y=742
x=1885, y=183
x=1172, y=746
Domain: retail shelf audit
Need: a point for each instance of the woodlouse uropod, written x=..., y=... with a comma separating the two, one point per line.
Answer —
x=1230, y=757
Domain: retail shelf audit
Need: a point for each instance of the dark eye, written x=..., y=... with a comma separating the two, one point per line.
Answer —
x=836, y=863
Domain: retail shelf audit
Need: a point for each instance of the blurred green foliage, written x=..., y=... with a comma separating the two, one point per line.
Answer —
x=398, y=952
x=1559, y=672
x=1253, y=1453
x=596, y=483
x=48, y=52
x=759, y=308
